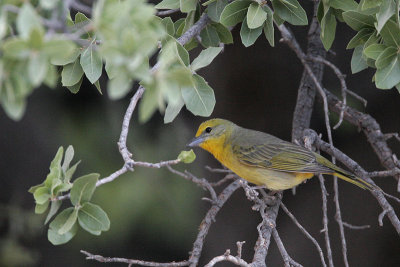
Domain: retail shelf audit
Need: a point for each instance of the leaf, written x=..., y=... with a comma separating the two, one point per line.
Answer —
x=374, y=50
x=41, y=208
x=54, y=207
x=234, y=12
x=41, y=195
x=37, y=68
x=16, y=49
x=357, y=20
x=35, y=40
x=205, y=58
x=168, y=4
x=13, y=107
x=76, y=87
x=83, y=188
x=224, y=34
x=290, y=11
x=69, y=155
x=344, y=5
x=71, y=73
x=367, y=4
x=183, y=54
x=391, y=33
x=215, y=9
x=360, y=38
x=91, y=63
x=70, y=172
x=119, y=86
x=389, y=76
x=269, y=26
x=54, y=237
x=98, y=87
x=61, y=52
x=386, y=57
x=357, y=62
x=172, y=111
x=255, y=16
x=27, y=20
x=188, y=5
x=187, y=156
x=209, y=36
x=168, y=25
x=328, y=29
x=386, y=11
x=249, y=36
x=199, y=98
x=92, y=218
x=48, y=4
x=149, y=104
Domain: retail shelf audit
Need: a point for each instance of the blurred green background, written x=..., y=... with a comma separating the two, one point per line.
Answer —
x=154, y=214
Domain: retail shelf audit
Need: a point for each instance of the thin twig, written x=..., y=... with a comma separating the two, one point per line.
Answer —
x=99, y=258
x=325, y=220
x=305, y=232
x=78, y=6
x=356, y=227
x=208, y=220
x=286, y=258
x=384, y=173
x=338, y=218
x=166, y=12
x=228, y=257
x=343, y=84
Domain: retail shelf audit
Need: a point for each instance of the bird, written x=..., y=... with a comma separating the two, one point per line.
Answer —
x=263, y=159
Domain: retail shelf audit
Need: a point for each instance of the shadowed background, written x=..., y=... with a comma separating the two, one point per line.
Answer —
x=154, y=214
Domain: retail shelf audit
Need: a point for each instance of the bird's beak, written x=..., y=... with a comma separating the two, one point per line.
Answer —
x=196, y=141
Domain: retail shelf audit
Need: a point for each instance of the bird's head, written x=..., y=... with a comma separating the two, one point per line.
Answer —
x=212, y=134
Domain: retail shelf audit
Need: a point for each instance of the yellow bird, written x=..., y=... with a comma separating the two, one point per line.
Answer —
x=263, y=159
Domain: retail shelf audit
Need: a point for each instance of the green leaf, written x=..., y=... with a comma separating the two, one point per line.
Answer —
x=168, y=4
x=119, y=86
x=391, y=33
x=205, y=58
x=149, y=104
x=69, y=155
x=41, y=195
x=269, y=26
x=13, y=107
x=199, y=98
x=328, y=29
x=75, y=88
x=61, y=52
x=70, y=172
x=35, y=40
x=357, y=20
x=389, y=76
x=249, y=36
x=209, y=36
x=51, y=79
x=54, y=207
x=37, y=68
x=168, y=25
x=386, y=11
x=92, y=218
x=3, y=24
x=255, y=16
x=367, y=4
x=83, y=188
x=374, y=50
x=360, y=38
x=357, y=62
x=71, y=73
x=98, y=87
x=234, y=12
x=183, y=54
x=344, y=5
x=290, y=11
x=33, y=188
x=188, y=5
x=16, y=49
x=27, y=20
x=91, y=63
x=215, y=9
x=54, y=237
x=173, y=110
x=386, y=57
x=41, y=208
x=187, y=156
x=224, y=34
x=48, y=4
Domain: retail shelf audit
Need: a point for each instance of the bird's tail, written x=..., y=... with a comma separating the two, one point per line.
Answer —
x=348, y=177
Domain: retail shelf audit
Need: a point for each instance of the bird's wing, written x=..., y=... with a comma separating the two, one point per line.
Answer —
x=279, y=155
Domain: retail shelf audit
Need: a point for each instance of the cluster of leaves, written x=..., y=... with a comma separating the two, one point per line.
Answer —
x=377, y=42
x=89, y=216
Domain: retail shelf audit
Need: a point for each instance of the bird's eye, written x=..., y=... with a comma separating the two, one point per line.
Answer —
x=208, y=129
